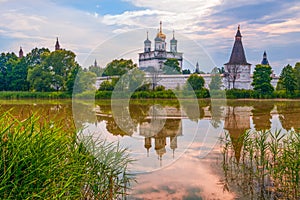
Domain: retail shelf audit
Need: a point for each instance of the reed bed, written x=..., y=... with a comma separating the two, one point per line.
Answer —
x=268, y=165
x=46, y=162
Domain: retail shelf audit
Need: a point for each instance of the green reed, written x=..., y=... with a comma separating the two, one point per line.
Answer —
x=269, y=165
x=46, y=162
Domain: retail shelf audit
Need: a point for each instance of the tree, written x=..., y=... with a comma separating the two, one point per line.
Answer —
x=171, y=66
x=186, y=71
x=216, y=80
x=118, y=67
x=85, y=81
x=53, y=72
x=232, y=73
x=19, y=76
x=96, y=69
x=297, y=74
x=287, y=80
x=34, y=57
x=196, y=82
x=262, y=79
x=7, y=62
x=108, y=85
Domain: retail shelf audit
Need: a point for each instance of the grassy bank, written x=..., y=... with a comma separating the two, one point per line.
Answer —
x=43, y=161
x=262, y=164
x=34, y=95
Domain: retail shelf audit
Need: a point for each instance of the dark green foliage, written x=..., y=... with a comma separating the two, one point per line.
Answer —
x=171, y=66
x=186, y=71
x=34, y=95
x=262, y=79
x=118, y=67
x=287, y=80
x=195, y=82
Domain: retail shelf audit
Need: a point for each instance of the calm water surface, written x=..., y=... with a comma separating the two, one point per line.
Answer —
x=175, y=144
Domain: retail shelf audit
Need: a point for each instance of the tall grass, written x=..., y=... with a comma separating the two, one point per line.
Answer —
x=46, y=162
x=269, y=166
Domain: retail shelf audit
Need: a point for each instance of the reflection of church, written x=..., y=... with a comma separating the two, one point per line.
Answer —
x=161, y=129
x=172, y=129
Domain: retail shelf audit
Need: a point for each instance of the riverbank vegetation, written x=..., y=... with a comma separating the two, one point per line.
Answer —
x=263, y=164
x=41, y=160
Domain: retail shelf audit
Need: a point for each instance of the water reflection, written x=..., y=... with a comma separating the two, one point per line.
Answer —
x=161, y=131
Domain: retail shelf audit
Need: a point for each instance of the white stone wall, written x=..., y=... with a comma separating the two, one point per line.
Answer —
x=175, y=81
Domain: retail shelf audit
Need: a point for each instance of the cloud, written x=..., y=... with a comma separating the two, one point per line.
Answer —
x=33, y=24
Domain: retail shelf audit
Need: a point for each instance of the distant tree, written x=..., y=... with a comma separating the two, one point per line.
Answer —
x=262, y=79
x=216, y=82
x=186, y=71
x=85, y=81
x=171, y=66
x=196, y=82
x=118, y=67
x=287, y=80
x=297, y=74
x=108, y=85
x=96, y=69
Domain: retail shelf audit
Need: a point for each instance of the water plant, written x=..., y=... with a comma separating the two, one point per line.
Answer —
x=269, y=166
x=43, y=161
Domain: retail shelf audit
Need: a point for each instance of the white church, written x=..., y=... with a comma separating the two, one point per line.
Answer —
x=237, y=69
x=158, y=55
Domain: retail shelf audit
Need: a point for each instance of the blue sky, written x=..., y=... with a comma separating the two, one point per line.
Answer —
x=108, y=29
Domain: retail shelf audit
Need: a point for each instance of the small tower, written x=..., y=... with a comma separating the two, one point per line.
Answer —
x=173, y=44
x=57, y=46
x=21, y=53
x=147, y=44
x=197, y=71
x=237, y=70
x=95, y=63
x=265, y=59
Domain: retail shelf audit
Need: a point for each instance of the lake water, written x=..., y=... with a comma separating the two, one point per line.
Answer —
x=175, y=143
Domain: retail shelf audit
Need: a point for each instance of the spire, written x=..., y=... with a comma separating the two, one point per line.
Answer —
x=160, y=27
x=160, y=33
x=95, y=63
x=238, y=33
x=57, y=46
x=21, y=53
x=265, y=59
x=197, y=68
x=238, y=54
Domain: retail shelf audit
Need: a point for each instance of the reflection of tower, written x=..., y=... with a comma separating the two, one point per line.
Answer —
x=160, y=144
x=148, y=144
x=173, y=143
x=237, y=121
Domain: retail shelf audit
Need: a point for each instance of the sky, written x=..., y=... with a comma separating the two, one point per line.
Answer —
x=109, y=29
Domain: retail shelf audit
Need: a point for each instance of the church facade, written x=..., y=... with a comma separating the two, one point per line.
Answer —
x=157, y=55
